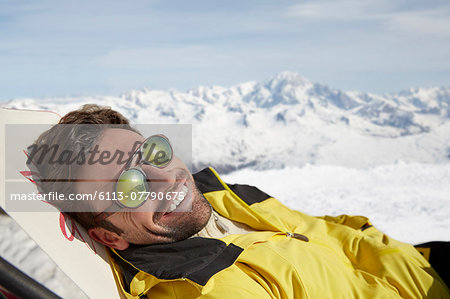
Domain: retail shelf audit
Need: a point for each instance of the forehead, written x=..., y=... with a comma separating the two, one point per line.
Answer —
x=118, y=140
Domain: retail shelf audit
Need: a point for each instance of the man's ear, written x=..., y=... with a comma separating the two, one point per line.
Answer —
x=108, y=238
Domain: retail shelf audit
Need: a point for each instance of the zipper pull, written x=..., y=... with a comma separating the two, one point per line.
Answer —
x=297, y=236
x=222, y=227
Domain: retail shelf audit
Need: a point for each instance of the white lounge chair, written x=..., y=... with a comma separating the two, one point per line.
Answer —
x=76, y=254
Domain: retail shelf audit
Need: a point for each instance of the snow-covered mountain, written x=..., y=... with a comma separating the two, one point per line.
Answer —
x=289, y=120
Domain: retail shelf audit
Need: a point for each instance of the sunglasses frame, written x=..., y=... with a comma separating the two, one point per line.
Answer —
x=116, y=204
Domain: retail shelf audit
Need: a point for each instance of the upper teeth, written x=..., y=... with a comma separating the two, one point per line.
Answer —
x=178, y=199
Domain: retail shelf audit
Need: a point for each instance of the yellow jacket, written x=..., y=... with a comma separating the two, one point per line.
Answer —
x=293, y=255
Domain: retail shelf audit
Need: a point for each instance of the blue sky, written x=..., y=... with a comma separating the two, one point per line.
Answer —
x=63, y=48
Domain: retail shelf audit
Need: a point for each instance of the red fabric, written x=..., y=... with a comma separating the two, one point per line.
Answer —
x=7, y=294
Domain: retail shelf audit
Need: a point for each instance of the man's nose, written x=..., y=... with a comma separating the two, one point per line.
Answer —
x=159, y=176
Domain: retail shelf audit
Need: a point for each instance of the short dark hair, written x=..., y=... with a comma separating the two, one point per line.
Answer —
x=76, y=139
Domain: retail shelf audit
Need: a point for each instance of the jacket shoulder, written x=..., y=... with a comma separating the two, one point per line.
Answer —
x=208, y=180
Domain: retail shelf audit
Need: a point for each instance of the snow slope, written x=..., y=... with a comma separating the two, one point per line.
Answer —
x=21, y=251
x=410, y=202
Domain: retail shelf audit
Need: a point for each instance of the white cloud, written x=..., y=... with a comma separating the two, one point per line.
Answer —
x=391, y=17
x=347, y=10
x=434, y=22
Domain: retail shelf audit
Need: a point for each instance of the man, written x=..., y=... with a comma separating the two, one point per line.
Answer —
x=215, y=240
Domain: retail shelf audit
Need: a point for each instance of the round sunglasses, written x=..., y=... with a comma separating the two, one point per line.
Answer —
x=132, y=188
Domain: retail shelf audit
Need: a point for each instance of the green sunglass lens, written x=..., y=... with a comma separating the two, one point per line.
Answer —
x=157, y=151
x=131, y=188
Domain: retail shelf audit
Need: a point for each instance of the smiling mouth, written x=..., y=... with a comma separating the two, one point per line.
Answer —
x=177, y=201
x=181, y=202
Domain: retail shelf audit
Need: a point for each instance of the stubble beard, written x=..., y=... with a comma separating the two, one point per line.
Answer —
x=190, y=223
x=182, y=227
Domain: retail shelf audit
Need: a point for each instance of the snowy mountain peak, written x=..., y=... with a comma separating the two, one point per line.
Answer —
x=309, y=122
x=285, y=88
x=286, y=78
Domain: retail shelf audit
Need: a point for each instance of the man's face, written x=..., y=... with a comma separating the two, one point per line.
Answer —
x=151, y=223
